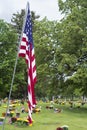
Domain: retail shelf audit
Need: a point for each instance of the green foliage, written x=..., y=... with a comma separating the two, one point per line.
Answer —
x=19, y=18
x=8, y=40
x=73, y=39
x=60, y=51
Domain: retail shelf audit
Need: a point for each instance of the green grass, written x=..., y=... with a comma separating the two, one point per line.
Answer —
x=75, y=118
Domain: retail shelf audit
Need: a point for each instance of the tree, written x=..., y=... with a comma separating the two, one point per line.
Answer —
x=8, y=48
x=73, y=38
x=8, y=55
x=48, y=55
x=18, y=19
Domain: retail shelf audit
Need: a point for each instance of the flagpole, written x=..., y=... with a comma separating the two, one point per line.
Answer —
x=14, y=68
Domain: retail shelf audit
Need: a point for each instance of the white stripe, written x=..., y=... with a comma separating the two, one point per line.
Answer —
x=29, y=113
x=22, y=51
x=33, y=63
x=28, y=80
x=23, y=43
x=29, y=97
x=27, y=57
x=27, y=48
x=32, y=51
x=34, y=74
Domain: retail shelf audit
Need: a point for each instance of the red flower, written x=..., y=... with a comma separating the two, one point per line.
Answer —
x=59, y=128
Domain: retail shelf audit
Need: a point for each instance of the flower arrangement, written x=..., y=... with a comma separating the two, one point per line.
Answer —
x=22, y=121
x=36, y=110
x=1, y=120
x=18, y=121
x=65, y=127
x=59, y=128
x=11, y=113
x=3, y=114
x=63, y=103
x=17, y=114
x=49, y=107
x=13, y=120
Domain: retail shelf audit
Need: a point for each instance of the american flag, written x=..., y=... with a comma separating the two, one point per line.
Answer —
x=26, y=50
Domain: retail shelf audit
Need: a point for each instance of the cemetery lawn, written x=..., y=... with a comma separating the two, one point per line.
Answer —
x=47, y=119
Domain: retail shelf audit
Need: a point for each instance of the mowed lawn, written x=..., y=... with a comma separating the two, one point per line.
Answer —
x=47, y=119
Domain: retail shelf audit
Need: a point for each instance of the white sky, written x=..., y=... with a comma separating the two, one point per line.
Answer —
x=48, y=8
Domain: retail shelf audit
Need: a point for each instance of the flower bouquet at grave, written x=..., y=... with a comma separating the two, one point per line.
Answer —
x=3, y=114
x=13, y=119
x=17, y=114
x=11, y=113
x=1, y=120
x=59, y=128
x=21, y=121
x=36, y=110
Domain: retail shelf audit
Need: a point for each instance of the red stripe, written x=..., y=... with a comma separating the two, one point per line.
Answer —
x=33, y=57
x=24, y=39
x=35, y=80
x=30, y=120
x=23, y=47
x=34, y=68
x=21, y=55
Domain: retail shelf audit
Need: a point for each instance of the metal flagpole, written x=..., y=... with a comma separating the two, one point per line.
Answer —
x=14, y=70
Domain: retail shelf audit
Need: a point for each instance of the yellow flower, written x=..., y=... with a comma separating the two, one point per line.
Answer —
x=5, y=106
x=12, y=112
x=30, y=124
x=19, y=119
x=26, y=120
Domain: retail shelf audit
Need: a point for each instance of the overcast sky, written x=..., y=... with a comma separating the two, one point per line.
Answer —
x=48, y=8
